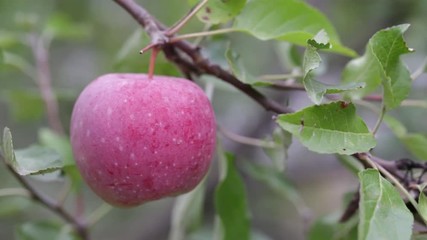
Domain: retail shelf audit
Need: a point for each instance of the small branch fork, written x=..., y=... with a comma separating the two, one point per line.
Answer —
x=191, y=62
x=78, y=226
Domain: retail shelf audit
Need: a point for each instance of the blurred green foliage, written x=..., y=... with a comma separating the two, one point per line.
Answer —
x=91, y=37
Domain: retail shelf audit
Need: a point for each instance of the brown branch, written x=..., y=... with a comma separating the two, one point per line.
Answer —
x=202, y=64
x=44, y=82
x=78, y=226
x=195, y=63
x=144, y=18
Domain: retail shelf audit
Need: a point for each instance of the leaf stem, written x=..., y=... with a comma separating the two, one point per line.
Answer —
x=420, y=70
x=380, y=118
x=6, y=192
x=201, y=34
x=177, y=26
x=99, y=213
x=414, y=103
x=199, y=40
x=274, y=77
x=246, y=140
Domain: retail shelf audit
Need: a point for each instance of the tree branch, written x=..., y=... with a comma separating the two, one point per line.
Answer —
x=198, y=64
x=144, y=18
x=79, y=227
x=195, y=63
x=44, y=82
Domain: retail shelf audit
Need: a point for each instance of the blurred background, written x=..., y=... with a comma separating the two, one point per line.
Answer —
x=98, y=37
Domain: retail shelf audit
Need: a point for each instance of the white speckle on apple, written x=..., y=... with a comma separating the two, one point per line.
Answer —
x=148, y=120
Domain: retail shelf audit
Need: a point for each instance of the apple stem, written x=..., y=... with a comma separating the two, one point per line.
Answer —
x=154, y=52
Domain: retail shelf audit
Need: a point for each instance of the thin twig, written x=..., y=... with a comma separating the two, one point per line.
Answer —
x=99, y=213
x=246, y=140
x=202, y=34
x=414, y=103
x=420, y=70
x=144, y=18
x=199, y=63
x=7, y=192
x=44, y=82
x=79, y=227
x=276, y=77
x=392, y=179
x=175, y=28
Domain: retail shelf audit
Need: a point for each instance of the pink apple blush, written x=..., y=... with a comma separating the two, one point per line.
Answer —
x=137, y=139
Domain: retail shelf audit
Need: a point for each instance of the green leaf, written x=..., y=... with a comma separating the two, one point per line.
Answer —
x=8, y=39
x=43, y=230
x=315, y=89
x=279, y=153
x=220, y=11
x=329, y=128
x=231, y=205
x=61, y=26
x=27, y=21
x=365, y=70
x=237, y=68
x=396, y=127
x=61, y=144
x=329, y=227
x=187, y=213
x=320, y=41
x=387, y=46
x=419, y=237
x=37, y=160
x=383, y=214
x=422, y=205
x=381, y=64
x=416, y=143
x=288, y=55
x=131, y=45
x=25, y=105
x=13, y=205
x=351, y=163
x=287, y=20
x=7, y=147
x=20, y=63
x=275, y=180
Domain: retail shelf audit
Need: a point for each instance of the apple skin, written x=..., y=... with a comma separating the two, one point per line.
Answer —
x=137, y=139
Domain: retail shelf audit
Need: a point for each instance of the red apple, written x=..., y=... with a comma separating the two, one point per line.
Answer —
x=137, y=139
